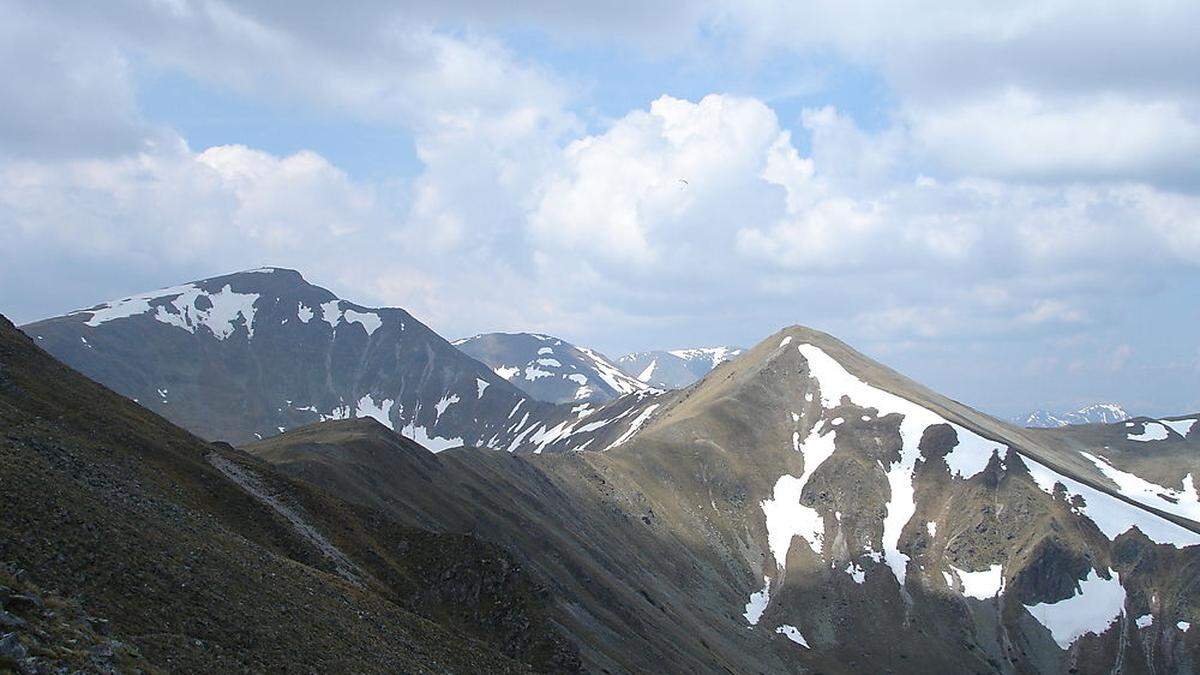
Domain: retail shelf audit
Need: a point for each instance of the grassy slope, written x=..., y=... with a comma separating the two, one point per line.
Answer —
x=113, y=507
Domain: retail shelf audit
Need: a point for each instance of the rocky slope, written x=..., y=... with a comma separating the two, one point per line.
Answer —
x=805, y=509
x=249, y=355
x=1097, y=413
x=549, y=369
x=134, y=545
x=676, y=368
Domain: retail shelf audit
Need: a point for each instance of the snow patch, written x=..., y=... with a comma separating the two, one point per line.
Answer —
x=1181, y=503
x=331, y=312
x=1113, y=516
x=714, y=355
x=785, y=516
x=1151, y=431
x=791, y=633
x=447, y=401
x=972, y=453
x=648, y=372
x=758, y=603
x=366, y=407
x=1181, y=427
x=634, y=426
x=1097, y=603
x=981, y=585
x=836, y=382
x=613, y=376
x=481, y=384
x=225, y=307
x=857, y=573
x=1144, y=621
x=432, y=443
x=368, y=320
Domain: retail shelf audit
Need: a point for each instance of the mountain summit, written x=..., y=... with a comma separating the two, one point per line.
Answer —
x=799, y=508
x=249, y=355
x=676, y=368
x=1097, y=413
x=550, y=369
x=803, y=508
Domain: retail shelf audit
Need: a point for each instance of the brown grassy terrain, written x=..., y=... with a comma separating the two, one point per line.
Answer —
x=121, y=514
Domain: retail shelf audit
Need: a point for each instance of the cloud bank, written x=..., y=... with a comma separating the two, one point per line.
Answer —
x=1031, y=187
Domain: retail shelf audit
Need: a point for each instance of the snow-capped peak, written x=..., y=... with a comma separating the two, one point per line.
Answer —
x=1096, y=413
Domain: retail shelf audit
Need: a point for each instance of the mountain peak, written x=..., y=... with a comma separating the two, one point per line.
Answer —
x=676, y=368
x=551, y=369
x=1096, y=413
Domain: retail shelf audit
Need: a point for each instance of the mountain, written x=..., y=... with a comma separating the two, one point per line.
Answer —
x=248, y=355
x=549, y=369
x=805, y=509
x=129, y=545
x=1097, y=413
x=677, y=368
x=800, y=508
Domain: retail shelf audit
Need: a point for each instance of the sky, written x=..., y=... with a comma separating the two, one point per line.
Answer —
x=1000, y=200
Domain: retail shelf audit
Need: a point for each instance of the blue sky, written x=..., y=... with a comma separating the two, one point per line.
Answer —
x=1000, y=201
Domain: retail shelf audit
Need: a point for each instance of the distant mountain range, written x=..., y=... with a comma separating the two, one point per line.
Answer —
x=550, y=369
x=1097, y=413
x=677, y=368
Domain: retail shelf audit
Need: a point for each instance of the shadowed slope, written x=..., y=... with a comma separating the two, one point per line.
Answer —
x=139, y=522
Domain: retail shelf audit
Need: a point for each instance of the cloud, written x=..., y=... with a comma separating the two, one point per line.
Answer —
x=66, y=93
x=1032, y=91
x=170, y=205
x=658, y=186
x=1019, y=180
x=1120, y=356
x=1016, y=134
x=1044, y=311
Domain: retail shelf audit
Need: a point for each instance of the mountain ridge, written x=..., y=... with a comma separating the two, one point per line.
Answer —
x=550, y=369
x=1095, y=413
x=146, y=528
x=244, y=356
x=675, y=368
x=799, y=507
x=818, y=510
